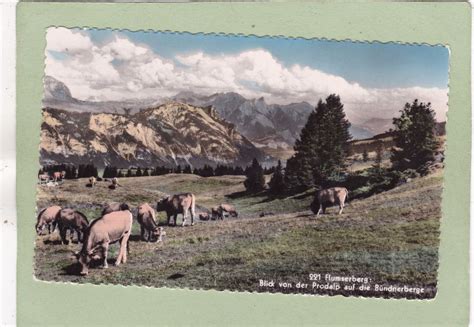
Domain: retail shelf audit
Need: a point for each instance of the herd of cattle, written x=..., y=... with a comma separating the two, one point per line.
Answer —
x=116, y=219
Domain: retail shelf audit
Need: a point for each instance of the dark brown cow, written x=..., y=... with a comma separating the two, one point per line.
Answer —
x=111, y=228
x=148, y=225
x=178, y=204
x=114, y=206
x=47, y=217
x=74, y=221
x=216, y=213
x=329, y=197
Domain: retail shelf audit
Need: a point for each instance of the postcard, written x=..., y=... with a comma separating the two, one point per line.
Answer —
x=225, y=164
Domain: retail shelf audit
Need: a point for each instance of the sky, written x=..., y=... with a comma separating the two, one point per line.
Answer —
x=116, y=65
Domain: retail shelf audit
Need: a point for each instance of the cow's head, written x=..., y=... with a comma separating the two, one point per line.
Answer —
x=84, y=259
x=315, y=205
x=161, y=205
x=159, y=232
x=124, y=206
x=39, y=227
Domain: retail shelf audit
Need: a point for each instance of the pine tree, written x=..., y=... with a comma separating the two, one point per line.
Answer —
x=378, y=154
x=138, y=173
x=322, y=148
x=277, y=183
x=146, y=172
x=187, y=170
x=255, y=181
x=365, y=155
x=414, y=136
x=129, y=173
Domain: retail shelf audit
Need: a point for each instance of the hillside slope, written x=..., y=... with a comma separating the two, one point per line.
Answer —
x=391, y=238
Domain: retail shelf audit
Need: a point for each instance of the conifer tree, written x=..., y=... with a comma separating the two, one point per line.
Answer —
x=277, y=183
x=255, y=181
x=365, y=155
x=138, y=172
x=414, y=136
x=322, y=148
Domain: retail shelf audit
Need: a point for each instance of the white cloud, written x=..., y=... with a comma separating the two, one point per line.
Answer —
x=65, y=40
x=121, y=69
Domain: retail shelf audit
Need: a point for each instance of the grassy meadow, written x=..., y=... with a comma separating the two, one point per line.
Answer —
x=391, y=237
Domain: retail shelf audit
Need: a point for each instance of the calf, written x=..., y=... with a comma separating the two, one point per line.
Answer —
x=111, y=228
x=329, y=197
x=74, y=221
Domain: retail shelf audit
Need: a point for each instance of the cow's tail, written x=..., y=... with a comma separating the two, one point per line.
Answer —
x=347, y=193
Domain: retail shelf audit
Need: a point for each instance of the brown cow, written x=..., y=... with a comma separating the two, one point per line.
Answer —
x=74, y=221
x=329, y=197
x=92, y=181
x=59, y=175
x=216, y=213
x=227, y=208
x=114, y=206
x=111, y=228
x=178, y=204
x=219, y=211
x=47, y=216
x=148, y=225
x=43, y=178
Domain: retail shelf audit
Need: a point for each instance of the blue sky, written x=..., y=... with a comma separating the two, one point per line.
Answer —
x=376, y=65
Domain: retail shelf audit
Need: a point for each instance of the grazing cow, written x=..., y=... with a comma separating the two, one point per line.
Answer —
x=74, y=221
x=329, y=197
x=92, y=181
x=43, y=178
x=216, y=213
x=148, y=225
x=47, y=216
x=111, y=228
x=229, y=209
x=114, y=206
x=219, y=211
x=59, y=175
x=115, y=182
x=178, y=204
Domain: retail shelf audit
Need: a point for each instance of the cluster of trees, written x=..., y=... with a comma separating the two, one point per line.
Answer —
x=323, y=147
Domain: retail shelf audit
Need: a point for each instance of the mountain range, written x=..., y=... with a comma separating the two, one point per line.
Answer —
x=170, y=134
x=243, y=127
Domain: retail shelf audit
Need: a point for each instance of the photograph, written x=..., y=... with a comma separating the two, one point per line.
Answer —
x=239, y=163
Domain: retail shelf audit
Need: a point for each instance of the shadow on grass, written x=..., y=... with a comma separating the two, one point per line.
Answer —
x=53, y=242
x=176, y=276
